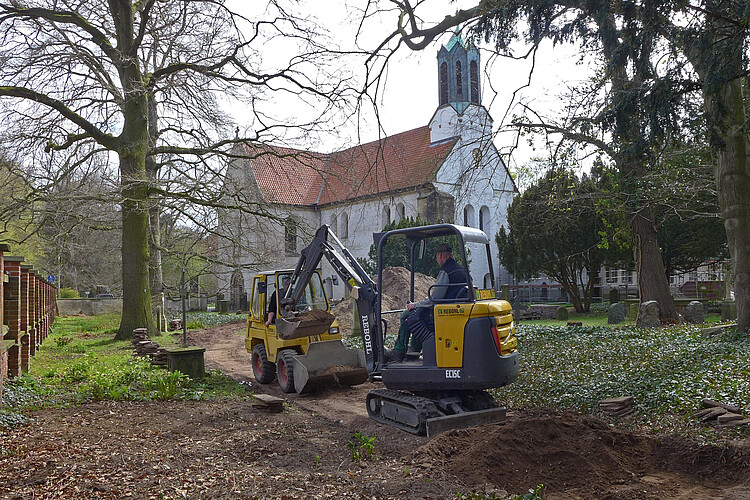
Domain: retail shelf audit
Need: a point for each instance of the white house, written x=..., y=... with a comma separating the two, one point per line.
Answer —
x=446, y=171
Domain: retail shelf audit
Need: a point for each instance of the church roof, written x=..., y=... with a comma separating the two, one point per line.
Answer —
x=393, y=163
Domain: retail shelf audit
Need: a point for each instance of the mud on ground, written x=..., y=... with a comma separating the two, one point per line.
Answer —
x=229, y=449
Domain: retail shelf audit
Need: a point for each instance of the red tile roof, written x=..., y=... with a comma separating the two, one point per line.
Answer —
x=299, y=177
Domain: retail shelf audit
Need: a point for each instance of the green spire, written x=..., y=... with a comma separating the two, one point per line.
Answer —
x=456, y=38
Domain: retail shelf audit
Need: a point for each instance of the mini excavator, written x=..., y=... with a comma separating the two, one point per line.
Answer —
x=474, y=348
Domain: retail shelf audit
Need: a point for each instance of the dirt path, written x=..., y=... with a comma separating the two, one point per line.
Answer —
x=230, y=449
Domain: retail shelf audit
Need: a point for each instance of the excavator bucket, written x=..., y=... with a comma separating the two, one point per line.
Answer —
x=328, y=364
x=306, y=324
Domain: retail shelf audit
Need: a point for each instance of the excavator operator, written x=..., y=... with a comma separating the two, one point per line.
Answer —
x=417, y=321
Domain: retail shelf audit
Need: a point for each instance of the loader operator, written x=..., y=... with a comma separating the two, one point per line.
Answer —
x=417, y=321
x=272, y=304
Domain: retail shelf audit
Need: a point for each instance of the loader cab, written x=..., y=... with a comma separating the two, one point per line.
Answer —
x=268, y=289
x=272, y=287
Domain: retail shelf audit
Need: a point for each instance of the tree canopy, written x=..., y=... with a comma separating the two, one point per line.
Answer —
x=559, y=227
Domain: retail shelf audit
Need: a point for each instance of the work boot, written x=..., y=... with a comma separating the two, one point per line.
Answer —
x=392, y=355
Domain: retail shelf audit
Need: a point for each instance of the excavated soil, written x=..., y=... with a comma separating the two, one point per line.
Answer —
x=396, y=285
x=232, y=449
x=313, y=316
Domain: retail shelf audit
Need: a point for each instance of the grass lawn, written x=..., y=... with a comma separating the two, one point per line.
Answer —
x=80, y=361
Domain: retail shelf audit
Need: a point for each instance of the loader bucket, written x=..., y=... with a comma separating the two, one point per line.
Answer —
x=306, y=324
x=328, y=364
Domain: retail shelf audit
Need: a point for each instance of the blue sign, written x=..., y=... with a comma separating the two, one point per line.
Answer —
x=51, y=278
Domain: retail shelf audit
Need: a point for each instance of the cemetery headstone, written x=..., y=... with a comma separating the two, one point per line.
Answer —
x=648, y=315
x=695, y=313
x=616, y=313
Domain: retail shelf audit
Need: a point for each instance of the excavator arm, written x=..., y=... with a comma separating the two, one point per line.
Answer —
x=362, y=288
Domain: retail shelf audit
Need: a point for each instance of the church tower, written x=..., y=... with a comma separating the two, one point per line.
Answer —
x=458, y=74
x=460, y=112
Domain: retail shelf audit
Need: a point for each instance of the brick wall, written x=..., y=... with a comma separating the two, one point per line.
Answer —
x=27, y=309
x=12, y=312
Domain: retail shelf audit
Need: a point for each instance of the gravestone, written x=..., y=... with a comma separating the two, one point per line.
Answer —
x=695, y=313
x=562, y=313
x=616, y=313
x=188, y=360
x=648, y=315
x=614, y=295
x=728, y=310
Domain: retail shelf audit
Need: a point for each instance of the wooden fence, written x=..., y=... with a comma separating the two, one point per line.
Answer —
x=27, y=310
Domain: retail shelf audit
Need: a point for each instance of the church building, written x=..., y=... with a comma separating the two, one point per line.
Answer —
x=446, y=171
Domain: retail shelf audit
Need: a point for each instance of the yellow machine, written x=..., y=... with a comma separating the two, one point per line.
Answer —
x=473, y=347
x=303, y=355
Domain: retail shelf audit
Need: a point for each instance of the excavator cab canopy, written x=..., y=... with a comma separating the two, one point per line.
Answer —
x=470, y=246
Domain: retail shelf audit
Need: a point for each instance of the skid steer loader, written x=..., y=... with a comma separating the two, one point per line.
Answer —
x=474, y=344
x=303, y=351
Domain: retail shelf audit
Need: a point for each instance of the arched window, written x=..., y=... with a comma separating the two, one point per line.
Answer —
x=484, y=219
x=386, y=215
x=459, y=81
x=400, y=212
x=344, y=225
x=443, y=83
x=469, y=216
x=334, y=223
x=290, y=237
x=474, y=77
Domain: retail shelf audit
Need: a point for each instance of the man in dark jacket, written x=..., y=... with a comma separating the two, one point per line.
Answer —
x=417, y=320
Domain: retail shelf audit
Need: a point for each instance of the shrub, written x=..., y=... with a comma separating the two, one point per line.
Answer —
x=68, y=293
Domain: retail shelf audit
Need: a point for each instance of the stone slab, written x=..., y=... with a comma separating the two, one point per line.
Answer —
x=188, y=360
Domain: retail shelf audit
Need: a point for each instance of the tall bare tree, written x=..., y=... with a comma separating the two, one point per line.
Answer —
x=129, y=85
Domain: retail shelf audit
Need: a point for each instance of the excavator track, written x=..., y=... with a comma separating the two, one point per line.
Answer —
x=401, y=409
x=423, y=416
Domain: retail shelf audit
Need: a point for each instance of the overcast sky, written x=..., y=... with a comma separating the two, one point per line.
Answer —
x=410, y=95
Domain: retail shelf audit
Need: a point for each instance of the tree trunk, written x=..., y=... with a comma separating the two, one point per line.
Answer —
x=652, y=280
x=733, y=188
x=155, y=268
x=570, y=285
x=132, y=148
x=136, y=296
x=725, y=108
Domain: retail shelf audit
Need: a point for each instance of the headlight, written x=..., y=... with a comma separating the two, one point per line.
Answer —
x=333, y=330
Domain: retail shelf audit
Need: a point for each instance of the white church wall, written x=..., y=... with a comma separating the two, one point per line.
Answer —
x=365, y=218
x=476, y=177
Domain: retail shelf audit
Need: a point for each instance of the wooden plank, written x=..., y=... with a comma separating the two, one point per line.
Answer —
x=622, y=400
x=268, y=399
x=709, y=403
x=728, y=417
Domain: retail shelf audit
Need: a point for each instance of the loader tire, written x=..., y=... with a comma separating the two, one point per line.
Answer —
x=264, y=370
x=285, y=370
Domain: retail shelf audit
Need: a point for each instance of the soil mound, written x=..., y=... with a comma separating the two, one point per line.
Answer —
x=572, y=453
x=396, y=285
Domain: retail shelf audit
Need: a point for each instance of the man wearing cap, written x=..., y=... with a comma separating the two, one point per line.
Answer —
x=417, y=320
